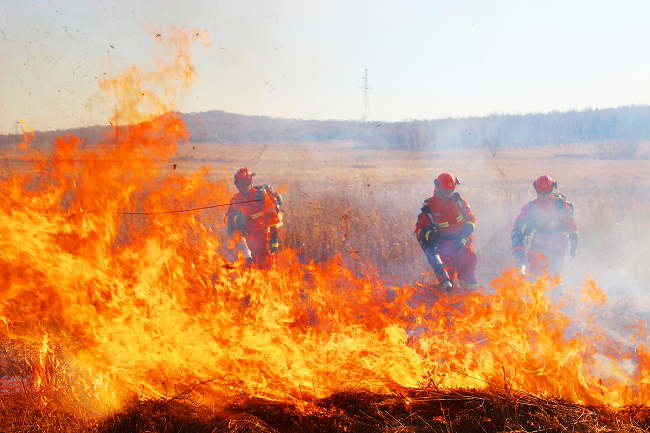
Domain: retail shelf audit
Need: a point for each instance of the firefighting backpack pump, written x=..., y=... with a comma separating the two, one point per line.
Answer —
x=276, y=198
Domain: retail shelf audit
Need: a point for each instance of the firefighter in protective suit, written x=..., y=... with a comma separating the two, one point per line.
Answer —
x=550, y=217
x=444, y=230
x=254, y=217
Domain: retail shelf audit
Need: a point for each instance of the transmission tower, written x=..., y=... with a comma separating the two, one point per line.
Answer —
x=366, y=89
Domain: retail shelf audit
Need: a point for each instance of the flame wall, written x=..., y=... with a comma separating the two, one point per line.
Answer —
x=111, y=295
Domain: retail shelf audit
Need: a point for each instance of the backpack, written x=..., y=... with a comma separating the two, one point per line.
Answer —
x=276, y=198
x=560, y=200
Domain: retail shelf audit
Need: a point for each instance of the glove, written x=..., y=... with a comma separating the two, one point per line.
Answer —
x=240, y=220
x=274, y=242
x=463, y=234
x=428, y=235
x=249, y=262
x=236, y=222
x=573, y=245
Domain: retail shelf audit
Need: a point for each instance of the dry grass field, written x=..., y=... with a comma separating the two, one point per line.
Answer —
x=359, y=206
x=364, y=203
x=125, y=307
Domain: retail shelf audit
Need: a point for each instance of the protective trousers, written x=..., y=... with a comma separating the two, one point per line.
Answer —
x=547, y=252
x=259, y=246
x=436, y=263
x=463, y=261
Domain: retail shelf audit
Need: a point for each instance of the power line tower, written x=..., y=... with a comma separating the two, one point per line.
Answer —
x=366, y=89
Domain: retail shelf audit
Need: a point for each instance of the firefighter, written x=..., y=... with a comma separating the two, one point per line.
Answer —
x=254, y=217
x=550, y=217
x=444, y=230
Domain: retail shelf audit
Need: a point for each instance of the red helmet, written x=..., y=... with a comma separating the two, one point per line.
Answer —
x=243, y=174
x=445, y=181
x=544, y=183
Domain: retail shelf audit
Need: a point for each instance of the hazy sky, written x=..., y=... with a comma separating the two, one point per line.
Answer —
x=305, y=59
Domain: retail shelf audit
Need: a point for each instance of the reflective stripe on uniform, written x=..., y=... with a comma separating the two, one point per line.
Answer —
x=459, y=218
x=445, y=224
x=257, y=215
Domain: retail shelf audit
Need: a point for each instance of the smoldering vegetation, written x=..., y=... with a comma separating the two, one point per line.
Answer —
x=495, y=409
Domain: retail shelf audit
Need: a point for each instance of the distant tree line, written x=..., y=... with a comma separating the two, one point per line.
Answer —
x=623, y=125
x=89, y=136
x=215, y=126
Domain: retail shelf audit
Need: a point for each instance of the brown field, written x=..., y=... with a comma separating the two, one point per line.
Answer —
x=374, y=196
x=362, y=205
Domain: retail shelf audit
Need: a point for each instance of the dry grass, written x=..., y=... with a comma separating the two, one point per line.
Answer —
x=406, y=410
x=362, y=205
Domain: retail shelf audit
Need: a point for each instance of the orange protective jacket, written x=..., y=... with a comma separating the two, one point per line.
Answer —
x=552, y=220
x=449, y=217
x=253, y=214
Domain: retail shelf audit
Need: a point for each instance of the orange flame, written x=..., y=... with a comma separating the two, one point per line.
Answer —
x=140, y=96
x=593, y=292
x=129, y=301
x=28, y=134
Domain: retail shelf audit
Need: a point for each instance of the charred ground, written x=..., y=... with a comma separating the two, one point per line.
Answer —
x=415, y=410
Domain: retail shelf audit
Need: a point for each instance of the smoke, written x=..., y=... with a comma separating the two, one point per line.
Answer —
x=144, y=299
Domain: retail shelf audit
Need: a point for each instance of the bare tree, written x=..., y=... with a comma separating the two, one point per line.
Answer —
x=493, y=144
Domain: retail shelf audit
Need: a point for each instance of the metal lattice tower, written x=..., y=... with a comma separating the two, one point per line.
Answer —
x=364, y=115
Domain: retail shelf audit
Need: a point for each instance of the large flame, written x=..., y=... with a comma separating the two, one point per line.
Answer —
x=116, y=295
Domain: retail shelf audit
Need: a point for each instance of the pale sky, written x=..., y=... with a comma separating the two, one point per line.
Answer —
x=305, y=59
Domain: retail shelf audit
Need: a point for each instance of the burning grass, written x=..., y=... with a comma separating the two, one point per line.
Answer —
x=125, y=307
x=404, y=410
